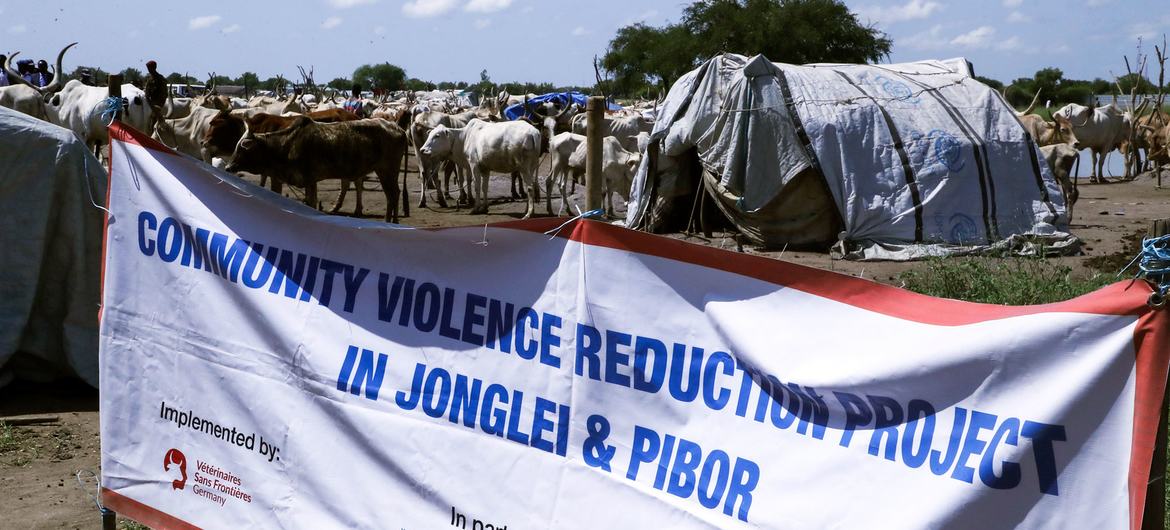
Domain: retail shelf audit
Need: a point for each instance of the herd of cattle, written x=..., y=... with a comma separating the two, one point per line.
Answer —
x=1101, y=130
x=302, y=139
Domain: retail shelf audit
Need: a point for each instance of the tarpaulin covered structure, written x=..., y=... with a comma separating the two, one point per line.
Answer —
x=889, y=161
x=560, y=99
x=50, y=251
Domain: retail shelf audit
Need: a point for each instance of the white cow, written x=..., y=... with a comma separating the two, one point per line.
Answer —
x=186, y=134
x=617, y=168
x=420, y=128
x=79, y=108
x=23, y=97
x=1101, y=130
x=561, y=147
x=481, y=147
x=624, y=128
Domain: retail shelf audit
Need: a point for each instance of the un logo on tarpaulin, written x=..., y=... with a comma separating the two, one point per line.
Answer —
x=963, y=228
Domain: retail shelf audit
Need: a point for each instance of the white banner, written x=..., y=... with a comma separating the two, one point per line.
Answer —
x=266, y=366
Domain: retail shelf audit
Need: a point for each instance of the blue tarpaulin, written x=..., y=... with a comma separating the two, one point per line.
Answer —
x=561, y=99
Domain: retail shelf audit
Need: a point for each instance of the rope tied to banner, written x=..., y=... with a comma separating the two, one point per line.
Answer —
x=81, y=484
x=110, y=107
x=1154, y=266
x=591, y=213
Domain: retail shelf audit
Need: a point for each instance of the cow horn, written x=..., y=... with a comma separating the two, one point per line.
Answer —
x=568, y=105
x=55, y=84
x=14, y=76
x=1032, y=106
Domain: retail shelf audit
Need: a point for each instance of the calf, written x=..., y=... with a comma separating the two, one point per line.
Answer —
x=561, y=148
x=1060, y=159
x=617, y=168
x=481, y=147
x=307, y=151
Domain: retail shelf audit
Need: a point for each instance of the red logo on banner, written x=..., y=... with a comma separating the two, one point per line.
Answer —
x=177, y=458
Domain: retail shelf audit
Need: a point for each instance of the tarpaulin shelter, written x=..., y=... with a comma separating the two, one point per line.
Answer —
x=560, y=99
x=50, y=251
x=891, y=161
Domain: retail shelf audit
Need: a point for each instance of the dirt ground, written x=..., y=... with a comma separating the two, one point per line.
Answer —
x=39, y=463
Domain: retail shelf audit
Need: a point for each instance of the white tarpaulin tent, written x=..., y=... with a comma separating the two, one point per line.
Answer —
x=916, y=159
x=50, y=251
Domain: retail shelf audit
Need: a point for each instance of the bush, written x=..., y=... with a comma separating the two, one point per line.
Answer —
x=1009, y=281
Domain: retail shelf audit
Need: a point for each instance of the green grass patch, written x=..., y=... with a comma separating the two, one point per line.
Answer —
x=1006, y=281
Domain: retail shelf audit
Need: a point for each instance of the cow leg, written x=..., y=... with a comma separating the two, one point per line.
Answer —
x=422, y=185
x=439, y=192
x=479, y=191
x=341, y=198
x=357, y=208
x=389, y=181
x=531, y=182
x=277, y=185
x=548, y=184
x=311, y=194
x=264, y=180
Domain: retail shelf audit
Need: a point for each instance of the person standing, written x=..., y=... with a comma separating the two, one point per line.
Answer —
x=156, y=90
x=27, y=71
x=44, y=76
x=354, y=103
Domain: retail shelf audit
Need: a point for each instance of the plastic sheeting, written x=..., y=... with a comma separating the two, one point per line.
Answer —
x=912, y=154
x=561, y=99
x=50, y=262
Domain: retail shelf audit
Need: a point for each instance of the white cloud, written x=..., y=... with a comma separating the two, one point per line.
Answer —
x=1012, y=43
x=487, y=6
x=343, y=4
x=1013, y=3
x=380, y=30
x=927, y=40
x=527, y=9
x=427, y=8
x=331, y=22
x=912, y=10
x=482, y=23
x=19, y=28
x=203, y=22
x=580, y=31
x=977, y=38
x=231, y=29
x=1096, y=3
x=1017, y=17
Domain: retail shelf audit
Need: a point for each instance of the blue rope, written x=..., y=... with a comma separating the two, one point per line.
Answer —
x=1154, y=265
x=110, y=107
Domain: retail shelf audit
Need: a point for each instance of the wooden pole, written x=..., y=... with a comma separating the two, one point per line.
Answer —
x=1155, y=510
x=115, y=88
x=595, y=112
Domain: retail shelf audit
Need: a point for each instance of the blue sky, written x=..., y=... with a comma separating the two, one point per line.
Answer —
x=538, y=40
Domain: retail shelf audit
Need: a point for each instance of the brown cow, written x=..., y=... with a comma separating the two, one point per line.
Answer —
x=226, y=129
x=307, y=151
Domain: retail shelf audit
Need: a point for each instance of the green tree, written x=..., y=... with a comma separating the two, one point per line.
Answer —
x=995, y=85
x=133, y=76
x=792, y=31
x=385, y=75
x=1127, y=83
x=341, y=83
x=248, y=79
